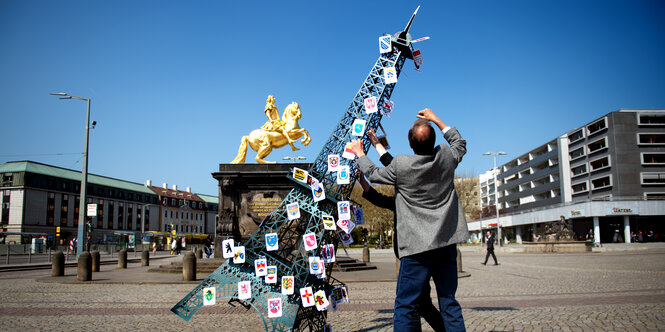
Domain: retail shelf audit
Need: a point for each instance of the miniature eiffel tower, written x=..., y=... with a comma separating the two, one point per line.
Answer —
x=291, y=258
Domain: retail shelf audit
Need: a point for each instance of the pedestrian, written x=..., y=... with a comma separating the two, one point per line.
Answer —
x=490, y=249
x=173, y=245
x=428, y=226
x=206, y=247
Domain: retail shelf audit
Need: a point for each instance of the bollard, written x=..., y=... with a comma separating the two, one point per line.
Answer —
x=189, y=266
x=84, y=270
x=366, y=254
x=199, y=253
x=58, y=264
x=145, y=258
x=122, y=259
x=95, y=261
x=459, y=261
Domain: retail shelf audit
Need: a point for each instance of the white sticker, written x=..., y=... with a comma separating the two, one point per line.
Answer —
x=389, y=75
x=348, y=152
x=239, y=255
x=274, y=307
x=343, y=176
x=328, y=222
x=321, y=300
x=344, y=210
x=271, y=275
x=293, y=210
x=384, y=44
x=370, y=105
x=260, y=267
x=244, y=290
x=209, y=296
x=288, y=285
x=333, y=162
x=309, y=241
x=358, y=127
x=306, y=296
x=272, y=243
x=227, y=248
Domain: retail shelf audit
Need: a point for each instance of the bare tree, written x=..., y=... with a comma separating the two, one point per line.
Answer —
x=468, y=191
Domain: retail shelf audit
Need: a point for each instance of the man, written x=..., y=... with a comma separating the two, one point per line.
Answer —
x=490, y=249
x=428, y=226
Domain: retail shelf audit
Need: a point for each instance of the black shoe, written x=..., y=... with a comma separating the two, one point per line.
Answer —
x=496, y=263
x=484, y=263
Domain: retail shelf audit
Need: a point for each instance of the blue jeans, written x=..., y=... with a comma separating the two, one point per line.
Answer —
x=414, y=273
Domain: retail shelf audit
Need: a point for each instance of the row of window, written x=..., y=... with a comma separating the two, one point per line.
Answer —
x=181, y=202
x=183, y=215
x=596, y=184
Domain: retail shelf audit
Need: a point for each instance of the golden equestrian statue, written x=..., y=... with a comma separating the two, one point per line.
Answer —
x=274, y=134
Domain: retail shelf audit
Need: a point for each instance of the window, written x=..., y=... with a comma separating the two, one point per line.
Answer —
x=600, y=183
x=597, y=145
x=110, y=215
x=651, y=139
x=64, y=209
x=576, y=136
x=579, y=170
x=580, y=187
x=577, y=153
x=596, y=127
x=7, y=179
x=50, y=209
x=165, y=201
x=653, y=158
x=652, y=178
x=649, y=196
x=651, y=119
x=601, y=163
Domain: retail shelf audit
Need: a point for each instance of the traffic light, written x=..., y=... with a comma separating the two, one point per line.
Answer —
x=168, y=228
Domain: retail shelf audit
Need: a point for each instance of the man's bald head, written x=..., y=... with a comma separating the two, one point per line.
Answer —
x=422, y=137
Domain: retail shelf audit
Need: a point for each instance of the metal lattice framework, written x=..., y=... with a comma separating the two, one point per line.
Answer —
x=292, y=259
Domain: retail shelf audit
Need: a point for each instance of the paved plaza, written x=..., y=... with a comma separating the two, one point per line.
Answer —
x=600, y=291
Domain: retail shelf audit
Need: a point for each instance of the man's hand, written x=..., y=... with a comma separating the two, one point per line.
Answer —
x=429, y=115
x=357, y=147
x=372, y=137
x=363, y=182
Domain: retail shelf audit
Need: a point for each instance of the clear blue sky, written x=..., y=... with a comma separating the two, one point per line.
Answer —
x=176, y=84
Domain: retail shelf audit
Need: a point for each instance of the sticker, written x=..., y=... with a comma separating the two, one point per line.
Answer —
x=307, y=297
x=340, y=294
x=209, y=296
x=418, y=59
x=384, y=44
x=328, y=253
x=348, y=152
x=343, y=210
x=322, y=274
x=333, y=162
x=239, y=255
x=328, y=222
x=244, y=290
x=370, y=105
x=309, y=240
x=227, y=248
x=389, y=75
x=358, y=127
x=293, y=210
x=318, y=193
x=314, y=265
x=300, y=175
x=274, y=307
x=271, y=275
x=387, y=107
x=358, y=215
x=260, y=267
x=288, y=283
x=343, y=175
x=271, y=242
x=321, y=301
x=346, y=225
x=344, y=237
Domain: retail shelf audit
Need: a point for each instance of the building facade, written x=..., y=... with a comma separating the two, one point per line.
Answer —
x=607, y=176
x=43, y=199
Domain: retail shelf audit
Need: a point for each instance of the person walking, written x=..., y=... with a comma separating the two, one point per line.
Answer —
x=428, y=226
x=490, y=249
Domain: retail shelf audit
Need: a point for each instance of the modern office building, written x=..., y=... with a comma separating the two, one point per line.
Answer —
x=607, y=176
x=42, y=199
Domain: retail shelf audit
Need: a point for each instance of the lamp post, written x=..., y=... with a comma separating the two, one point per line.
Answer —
x=84, y=175
x=293, y=159
x=496, y=193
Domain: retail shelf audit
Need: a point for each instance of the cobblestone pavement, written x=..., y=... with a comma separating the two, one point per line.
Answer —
x=612, y=291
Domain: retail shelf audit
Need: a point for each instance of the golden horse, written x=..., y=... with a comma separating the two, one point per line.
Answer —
x=263, y=141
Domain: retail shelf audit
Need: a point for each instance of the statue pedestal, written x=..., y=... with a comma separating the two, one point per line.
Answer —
x=247, y=194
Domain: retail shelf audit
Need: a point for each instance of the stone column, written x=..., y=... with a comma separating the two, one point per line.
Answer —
x=626, y=229
x=518, y=234
x=596, y=230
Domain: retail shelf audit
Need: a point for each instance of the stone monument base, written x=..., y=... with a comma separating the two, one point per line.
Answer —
x=555, y=247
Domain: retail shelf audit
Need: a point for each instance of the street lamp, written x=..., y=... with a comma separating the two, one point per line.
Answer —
x=84, y=175
x=293, y=159
x=496, y=193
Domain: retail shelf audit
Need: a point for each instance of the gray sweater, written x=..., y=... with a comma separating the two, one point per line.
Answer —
x=426, y=204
